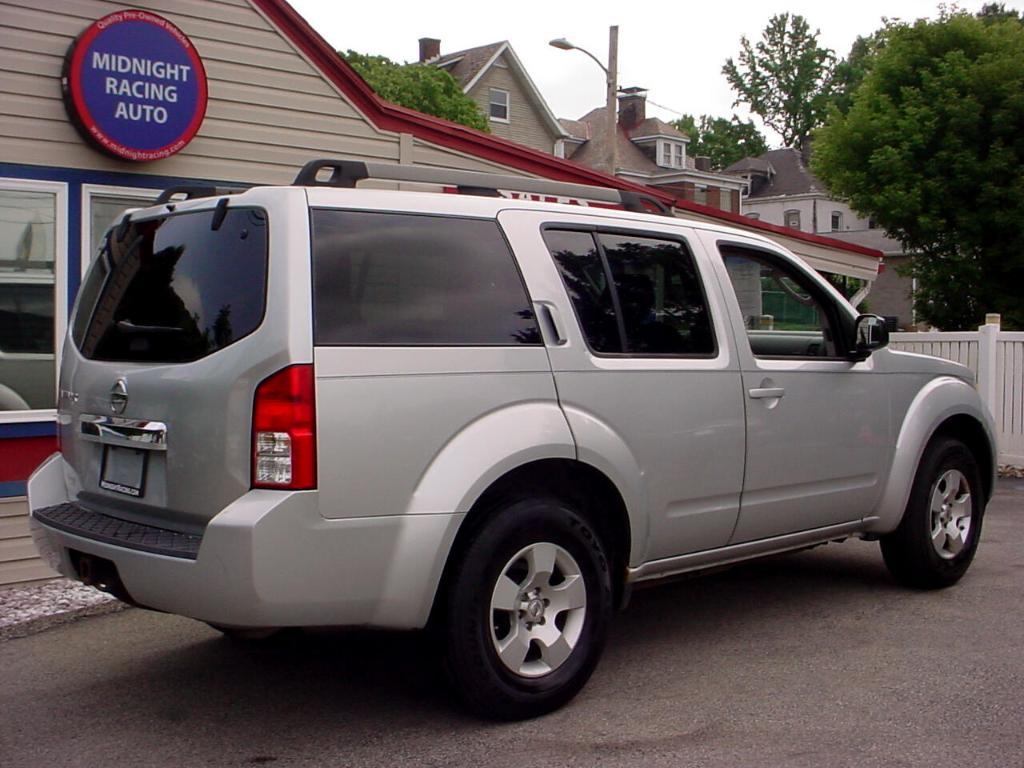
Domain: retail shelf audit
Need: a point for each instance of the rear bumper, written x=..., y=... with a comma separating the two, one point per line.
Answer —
x=268, y=559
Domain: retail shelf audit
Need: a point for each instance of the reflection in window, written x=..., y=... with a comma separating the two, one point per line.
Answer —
x=782, y=315
x=27, y=262
x=104, y=210
x=657, y=306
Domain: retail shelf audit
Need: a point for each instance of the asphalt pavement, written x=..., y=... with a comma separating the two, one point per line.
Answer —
x=810, y=659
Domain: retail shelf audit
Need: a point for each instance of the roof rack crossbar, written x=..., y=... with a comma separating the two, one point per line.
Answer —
x=194, y=191
x=347, y=173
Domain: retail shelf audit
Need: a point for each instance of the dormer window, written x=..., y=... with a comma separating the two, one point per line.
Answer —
x=671, y=154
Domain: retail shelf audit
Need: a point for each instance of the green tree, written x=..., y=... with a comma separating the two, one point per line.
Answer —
x=723, y=140
x=418, y=86
x=785, y=79
x=850, y=72
x=932, y=149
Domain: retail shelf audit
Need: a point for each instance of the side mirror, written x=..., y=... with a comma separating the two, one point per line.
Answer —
x=870, y=333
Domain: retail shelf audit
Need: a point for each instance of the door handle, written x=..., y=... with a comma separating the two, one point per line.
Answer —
x=761, y=393
x=547, y=316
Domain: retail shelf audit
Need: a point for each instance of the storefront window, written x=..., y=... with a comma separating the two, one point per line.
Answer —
x=28, y=250
x=104, y=210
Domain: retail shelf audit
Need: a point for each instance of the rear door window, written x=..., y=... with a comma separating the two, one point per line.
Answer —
x=175, y=289
x=405, y=279
x=634, y=294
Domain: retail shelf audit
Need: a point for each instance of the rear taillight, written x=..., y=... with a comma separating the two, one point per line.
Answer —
x=284, y=430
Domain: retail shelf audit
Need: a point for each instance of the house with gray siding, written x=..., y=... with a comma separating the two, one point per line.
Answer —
x=494, y=77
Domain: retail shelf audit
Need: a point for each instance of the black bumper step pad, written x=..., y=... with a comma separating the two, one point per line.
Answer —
x=75, y=519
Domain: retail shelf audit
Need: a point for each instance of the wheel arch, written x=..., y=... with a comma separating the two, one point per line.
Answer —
x=944, y=407
x=588, y=490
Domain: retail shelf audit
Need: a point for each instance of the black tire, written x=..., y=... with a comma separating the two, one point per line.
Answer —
x=530, y=530
x=912, y=551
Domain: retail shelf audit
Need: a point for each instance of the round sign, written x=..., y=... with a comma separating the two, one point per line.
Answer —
x=134, y=86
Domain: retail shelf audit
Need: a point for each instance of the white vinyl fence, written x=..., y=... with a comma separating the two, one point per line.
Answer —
x=997, y=359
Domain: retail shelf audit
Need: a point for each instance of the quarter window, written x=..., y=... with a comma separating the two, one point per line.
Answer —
x=634, y=294
x=402, y=279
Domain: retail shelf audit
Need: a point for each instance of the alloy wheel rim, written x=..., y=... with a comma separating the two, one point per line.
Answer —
x=950, y=514
x=537, y=610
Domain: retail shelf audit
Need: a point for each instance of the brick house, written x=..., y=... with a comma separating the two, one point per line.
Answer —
x=651, y=152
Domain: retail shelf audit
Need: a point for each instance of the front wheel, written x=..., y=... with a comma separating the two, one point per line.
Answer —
x=528, y=610
x=935, y=542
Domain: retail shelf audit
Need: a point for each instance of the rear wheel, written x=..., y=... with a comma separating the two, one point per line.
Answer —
x=938, y=536
x=528, y=610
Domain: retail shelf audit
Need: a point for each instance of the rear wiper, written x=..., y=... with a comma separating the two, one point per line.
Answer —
x=126, y=326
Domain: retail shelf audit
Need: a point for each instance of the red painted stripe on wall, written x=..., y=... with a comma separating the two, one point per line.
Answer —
x=20, y=456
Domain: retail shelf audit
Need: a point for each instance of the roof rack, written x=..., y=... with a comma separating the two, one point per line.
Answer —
x=347, y=173
x=191, y=192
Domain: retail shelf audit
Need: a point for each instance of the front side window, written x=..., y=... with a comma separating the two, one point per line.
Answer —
x=783, y=312
x=498, y=104
x=27, y=277
x=174, y=289
x=406, y=279
x=633, y=294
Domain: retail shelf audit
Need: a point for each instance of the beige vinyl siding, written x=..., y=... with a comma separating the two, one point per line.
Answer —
x=525, y=124
x=19, y=561
x=269, y=110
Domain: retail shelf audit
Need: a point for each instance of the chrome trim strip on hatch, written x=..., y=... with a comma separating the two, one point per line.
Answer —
x=130, y=433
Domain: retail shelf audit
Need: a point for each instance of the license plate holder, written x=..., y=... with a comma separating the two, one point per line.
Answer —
x=123, y=470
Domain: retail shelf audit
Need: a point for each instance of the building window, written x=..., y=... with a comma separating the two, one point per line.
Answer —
x=837, y=221
x=792, y=219
x=872, y=224
x=102, y=207
x=700, y=194
x=33, y=230
x=671, y=154
x=725, y=199
x=498, y=105
x=753, y=215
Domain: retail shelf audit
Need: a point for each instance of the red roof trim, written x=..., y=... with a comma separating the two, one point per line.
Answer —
x=391, y=117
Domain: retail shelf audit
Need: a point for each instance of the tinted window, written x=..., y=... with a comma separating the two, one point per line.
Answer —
x=657, y=306
x=178, y=289
x=663, y=308
x=586, y=281
x=384, y=278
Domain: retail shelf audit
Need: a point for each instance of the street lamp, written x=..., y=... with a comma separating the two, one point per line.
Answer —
x=611, y=73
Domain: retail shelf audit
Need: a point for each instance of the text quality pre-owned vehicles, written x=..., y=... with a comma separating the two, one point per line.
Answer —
x=321, y=405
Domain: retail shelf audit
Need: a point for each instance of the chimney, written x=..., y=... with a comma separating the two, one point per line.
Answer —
x=702, y=163
x=632, y=107
x=430, y=48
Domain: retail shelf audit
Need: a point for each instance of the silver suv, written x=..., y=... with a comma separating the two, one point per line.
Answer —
x=325, y=404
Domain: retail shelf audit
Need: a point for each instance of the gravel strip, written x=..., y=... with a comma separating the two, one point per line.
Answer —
x=30, y=609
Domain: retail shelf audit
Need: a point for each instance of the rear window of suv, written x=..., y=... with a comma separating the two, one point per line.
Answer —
x=175, y=289
x=413, y=279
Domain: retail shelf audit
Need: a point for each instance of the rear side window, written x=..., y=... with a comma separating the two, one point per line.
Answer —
x=175, y=289
x=634, y=294
x=403, y=279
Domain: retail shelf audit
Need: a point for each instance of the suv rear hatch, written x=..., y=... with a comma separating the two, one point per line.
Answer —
x=171, y=335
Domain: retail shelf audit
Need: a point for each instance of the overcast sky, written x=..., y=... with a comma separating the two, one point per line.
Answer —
x=674, y=49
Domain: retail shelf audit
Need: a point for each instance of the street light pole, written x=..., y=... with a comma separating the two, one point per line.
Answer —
x=611, y=96
x=612, y=99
